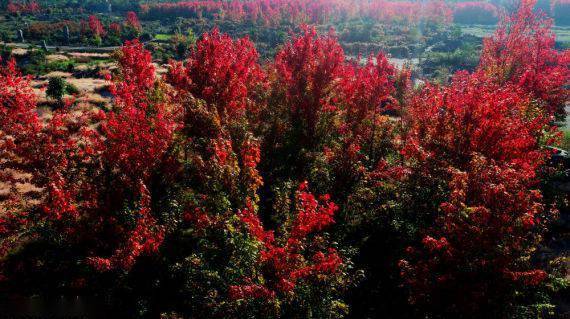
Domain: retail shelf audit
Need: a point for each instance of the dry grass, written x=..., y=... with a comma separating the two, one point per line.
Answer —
x=19, y=51
x=90, y=97
x=89, y=88
x=56, y=57
x=89, y=55
x=83, y=57
x=56, y=74
x=161, y=68
x=88, y=85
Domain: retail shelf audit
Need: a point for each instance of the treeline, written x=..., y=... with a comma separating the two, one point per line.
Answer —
x=274, y=12
x=39, y=6
x=90, y=30
x=320, y=11
x=298, y=11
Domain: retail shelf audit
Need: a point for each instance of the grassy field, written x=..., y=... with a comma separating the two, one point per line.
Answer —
x=162, y=37
x=562, y=32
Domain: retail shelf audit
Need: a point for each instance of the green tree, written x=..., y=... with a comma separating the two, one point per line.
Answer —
x=56, y=88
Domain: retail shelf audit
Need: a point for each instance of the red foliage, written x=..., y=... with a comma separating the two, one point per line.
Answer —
x=307, y=68
x=29, y=7
x=522, y=52
x=18, y=118
x=133, y=21
x=144, y=239
x=475, y=148
x=217, y=89
x=283, y=264
x=96, y=27
x=482, y=141
x=141, y=128
x=115, y=28
x=250, y=158
x=301, y=11
x=367, y=91
x=59, y=154
x=221, y=71
x=325, y=96
x=40, y=30
x=409, y=11
x=50, y=150
x=137, y=134
x=449, y=125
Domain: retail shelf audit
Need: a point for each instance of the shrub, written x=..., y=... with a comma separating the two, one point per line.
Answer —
x=71, y=89
x=56, y=88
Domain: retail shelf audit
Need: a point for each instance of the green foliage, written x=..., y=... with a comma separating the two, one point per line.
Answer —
x=162, y=37
x=71, y=89
x=56, y=88
x=442, y=64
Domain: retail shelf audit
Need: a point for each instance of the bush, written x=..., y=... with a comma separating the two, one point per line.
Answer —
x=56, y=88
x=71, y=89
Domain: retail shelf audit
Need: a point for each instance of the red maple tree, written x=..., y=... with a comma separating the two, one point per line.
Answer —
x=282, y=260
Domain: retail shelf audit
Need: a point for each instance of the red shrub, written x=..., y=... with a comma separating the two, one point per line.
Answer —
x=144, y=239
x=60, y=155
x=367, y=91
x=18, y=119
x=480, y=141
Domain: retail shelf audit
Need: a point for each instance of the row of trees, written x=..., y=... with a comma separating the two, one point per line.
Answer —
x=231, y=189
x=32, y=7
x=91, y=29
x=69, y=6
x=275, y=12
x=318, y=12
x=131, y=28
